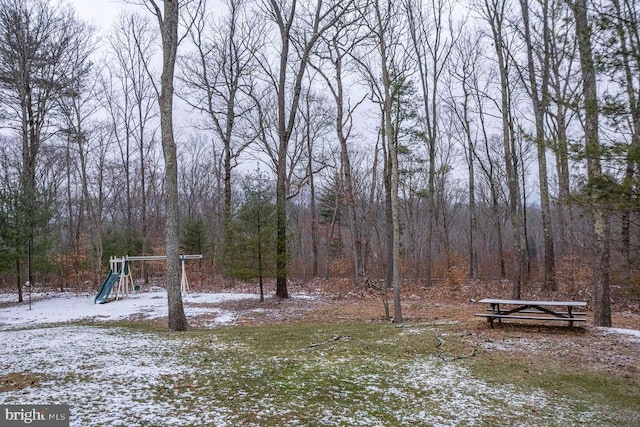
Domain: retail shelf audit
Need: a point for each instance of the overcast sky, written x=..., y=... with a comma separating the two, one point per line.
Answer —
x=99, y=13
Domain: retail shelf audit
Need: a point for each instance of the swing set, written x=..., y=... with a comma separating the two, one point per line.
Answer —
x=119, y=281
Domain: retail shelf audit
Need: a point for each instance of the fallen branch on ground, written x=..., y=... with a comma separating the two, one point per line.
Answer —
x=335, y=338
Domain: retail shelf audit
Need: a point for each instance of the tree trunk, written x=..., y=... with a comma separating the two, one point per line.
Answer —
x=495, y=17
x=473, y=221
x=312, y=189
x=562, y=167
x=143, y=201
x=370, y=216
x=488, y=168
x=601, y=266
x=356, y=241
x=19, y=280
x=392, y=145
x=630, y=36
x=561, y=57
x=281, y=179
x=539, y=102
x=321, y=18
x=169, y=31
x=388, y=217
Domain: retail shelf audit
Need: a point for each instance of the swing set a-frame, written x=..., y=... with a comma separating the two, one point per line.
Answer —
x=119, y=281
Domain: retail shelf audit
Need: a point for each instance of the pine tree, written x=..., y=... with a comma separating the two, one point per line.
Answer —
x=251, y=251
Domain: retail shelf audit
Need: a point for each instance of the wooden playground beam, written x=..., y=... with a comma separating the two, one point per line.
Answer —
x=159, y=257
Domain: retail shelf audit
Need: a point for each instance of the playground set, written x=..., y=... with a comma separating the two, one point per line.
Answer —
x=119, y=281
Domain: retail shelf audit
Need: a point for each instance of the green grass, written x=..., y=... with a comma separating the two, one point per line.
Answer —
x=379, y=374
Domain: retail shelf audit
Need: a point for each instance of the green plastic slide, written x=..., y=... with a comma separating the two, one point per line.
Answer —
x=105, y=289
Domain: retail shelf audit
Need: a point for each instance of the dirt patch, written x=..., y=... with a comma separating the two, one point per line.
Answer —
x=19, y=380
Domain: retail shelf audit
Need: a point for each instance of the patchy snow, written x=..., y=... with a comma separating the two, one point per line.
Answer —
x=121, y=377
x=466, y=399
x=118, y=376
x=628, y=332
x=64, y=308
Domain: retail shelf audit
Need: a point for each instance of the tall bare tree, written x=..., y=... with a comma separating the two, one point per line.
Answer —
x=466, y=58
x=316, y=122
x=495, y=12
x=299, y=25
x=563, y=87
x=168, y=22
x=78, y=106
x=130, y=101
x=337, y=48
x=387, y=35
x=596, y=179
x=431, y=46
x=477, y=86
x=539, y=73
x=217, y=79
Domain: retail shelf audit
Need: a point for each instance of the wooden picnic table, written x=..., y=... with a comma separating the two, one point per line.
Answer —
x=533, y=310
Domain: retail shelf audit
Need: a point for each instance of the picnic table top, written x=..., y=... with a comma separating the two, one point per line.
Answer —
x=525, y=302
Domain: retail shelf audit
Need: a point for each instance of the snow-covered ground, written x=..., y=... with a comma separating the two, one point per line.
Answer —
x=105, y=374
x=64, y=308
x=632, y=333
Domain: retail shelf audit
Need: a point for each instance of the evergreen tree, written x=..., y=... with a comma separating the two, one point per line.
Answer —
x=194, y=240
x=24, y=230
x=251, y=251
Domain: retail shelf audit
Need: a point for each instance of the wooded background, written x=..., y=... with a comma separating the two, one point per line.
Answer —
x=435, y=140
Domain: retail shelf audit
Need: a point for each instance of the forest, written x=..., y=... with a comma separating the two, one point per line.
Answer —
x=382, y=141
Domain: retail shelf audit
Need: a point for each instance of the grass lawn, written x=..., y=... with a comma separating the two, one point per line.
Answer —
x=357, y=374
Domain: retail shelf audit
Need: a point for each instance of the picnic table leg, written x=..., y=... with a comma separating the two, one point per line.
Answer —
x=570, y=316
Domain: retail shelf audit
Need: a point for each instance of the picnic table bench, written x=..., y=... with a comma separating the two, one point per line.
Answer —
x=533, y=310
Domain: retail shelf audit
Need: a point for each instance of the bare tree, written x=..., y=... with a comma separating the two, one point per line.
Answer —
x=538, y=64
x=337, y=48
x=481, y=81
x=601, y=266
x=387, y=35
x=196, y=177
x=563, y=87
x=130, y=101
x=217, y=79
x=431, y=49
x=495, y=13
x=299, y=26
x=78, y=106
x=168, y=23
x=466, y=60
x=316, y=120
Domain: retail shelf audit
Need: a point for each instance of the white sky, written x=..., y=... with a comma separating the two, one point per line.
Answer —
x=101, y=13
